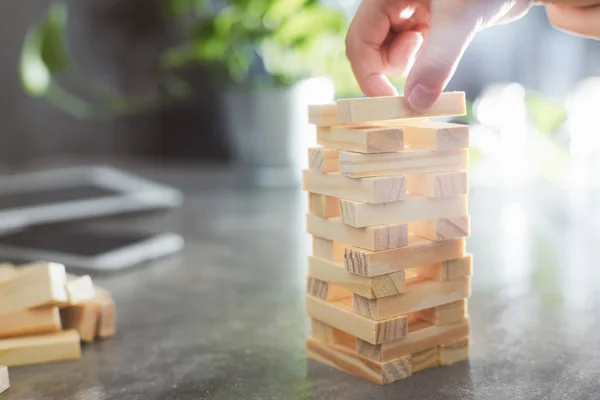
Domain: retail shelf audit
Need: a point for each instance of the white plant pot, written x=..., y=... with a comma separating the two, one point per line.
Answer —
x=269, y=131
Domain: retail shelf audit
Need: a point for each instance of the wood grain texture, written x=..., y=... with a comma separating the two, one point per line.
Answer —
x=4, y=379
x=445, y=314
x=40, y=349
x=35, y=286
x=368, y=190
x=328, y=249
x=442, y=228
x=324, y=206
x=436, y=135
x=373, y=238
x=418, y=252
x=325, y=291
x=411, y=209
x=326, y=334
x=7, y=271
x=416, y=297
x=447, y=270
x=323, y=160
x=408, y=161
x=441, y=184
x=455, y=352
x=340, y=315
x=348, y=361
x=424, y=359
x=421, y=336
x=83, y=318
x=80, y=289
x=366, y=109
x=334, y=272
x=362, y=139
x=27, y=322
x=323, y=114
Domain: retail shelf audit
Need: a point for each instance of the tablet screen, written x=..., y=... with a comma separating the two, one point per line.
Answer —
x=53, y=195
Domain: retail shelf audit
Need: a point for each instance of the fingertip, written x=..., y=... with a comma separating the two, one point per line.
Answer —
x=375, y=85
x=420, y=97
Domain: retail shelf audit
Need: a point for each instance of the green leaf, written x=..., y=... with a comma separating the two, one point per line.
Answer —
x=310, y=22
x=280, y=10
x=54, y=48
x=176, y=8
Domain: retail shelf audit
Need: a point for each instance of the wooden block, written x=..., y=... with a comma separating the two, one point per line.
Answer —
x=362, y=139
x=408, y=161
x=436, y=135
x=371, y=238
x=441, y=184
x=416, y=297
x=328, y=249
x=334, y=272
x=42, y=285
x=445, y=314
x=446, y=270
x=348, y=361
x=83, y=318
x=326, y=334
x=369, y=190
x=418, y=252
x=27, y=322
x=340, y=315
x=324, y=206
x=323, y=114
x=453, y=353
x=80, y=289
x=100, y=291
x=4, y=379
x=107, y=317
x=366, y=109
x=325, y=291
x=40, y=349
x=323, y=160
x=424, y=359
x=421, y=337
x=442, y=228
x=7, y=271
x=412, y=209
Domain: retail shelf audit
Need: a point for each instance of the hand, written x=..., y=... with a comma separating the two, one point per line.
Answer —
x=583, y=21
x=386, y=37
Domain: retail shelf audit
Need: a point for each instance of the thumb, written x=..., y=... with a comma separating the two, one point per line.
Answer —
x=452, y=28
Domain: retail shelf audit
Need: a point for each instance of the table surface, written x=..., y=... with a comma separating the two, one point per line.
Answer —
x=226, y=318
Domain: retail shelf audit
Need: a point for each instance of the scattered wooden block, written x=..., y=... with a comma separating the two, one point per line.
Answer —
x=416, y=297
x=441, y=184
x=324, y=206
x=453, y=353
x=4, y=379
x=370, y=190
x=329, y=335
x=442, y=228
x=80, y=289
x=323, y=160
x=328, y=249
x=411, y=209
x=107, y=317
x=367, y=109
x=418, y=252
x=325, y=290
x=348, y=361
x=340, y=315
x=408, y=161
x=27, y=322
x=445, y=314
x=371, y=238
x=436, y=135
x=7, y=271
x=334, y=272
x=446, y=270
x=39, y=349
x=83, y=318
x=362, y=139
x=421, y=337
x=42, y=285
x=424, y=359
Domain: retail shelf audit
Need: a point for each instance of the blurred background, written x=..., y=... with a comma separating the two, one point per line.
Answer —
x=162, y=78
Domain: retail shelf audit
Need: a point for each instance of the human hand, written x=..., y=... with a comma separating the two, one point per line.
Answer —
x=386, y=37
x=580, y=20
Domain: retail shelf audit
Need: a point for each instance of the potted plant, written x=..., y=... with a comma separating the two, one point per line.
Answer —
x=270, y=59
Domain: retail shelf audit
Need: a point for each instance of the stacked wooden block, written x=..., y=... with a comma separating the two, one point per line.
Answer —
x=389, y=276
x=45, y=314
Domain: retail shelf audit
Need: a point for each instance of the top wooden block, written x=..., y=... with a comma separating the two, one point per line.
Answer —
x=369, y=109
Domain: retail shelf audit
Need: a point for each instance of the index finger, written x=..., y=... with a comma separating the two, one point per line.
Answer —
x=367, y=33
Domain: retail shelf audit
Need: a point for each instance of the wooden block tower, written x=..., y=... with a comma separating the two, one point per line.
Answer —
x=389, y=276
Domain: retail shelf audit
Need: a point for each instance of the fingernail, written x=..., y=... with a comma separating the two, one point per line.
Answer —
x=421, y=98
